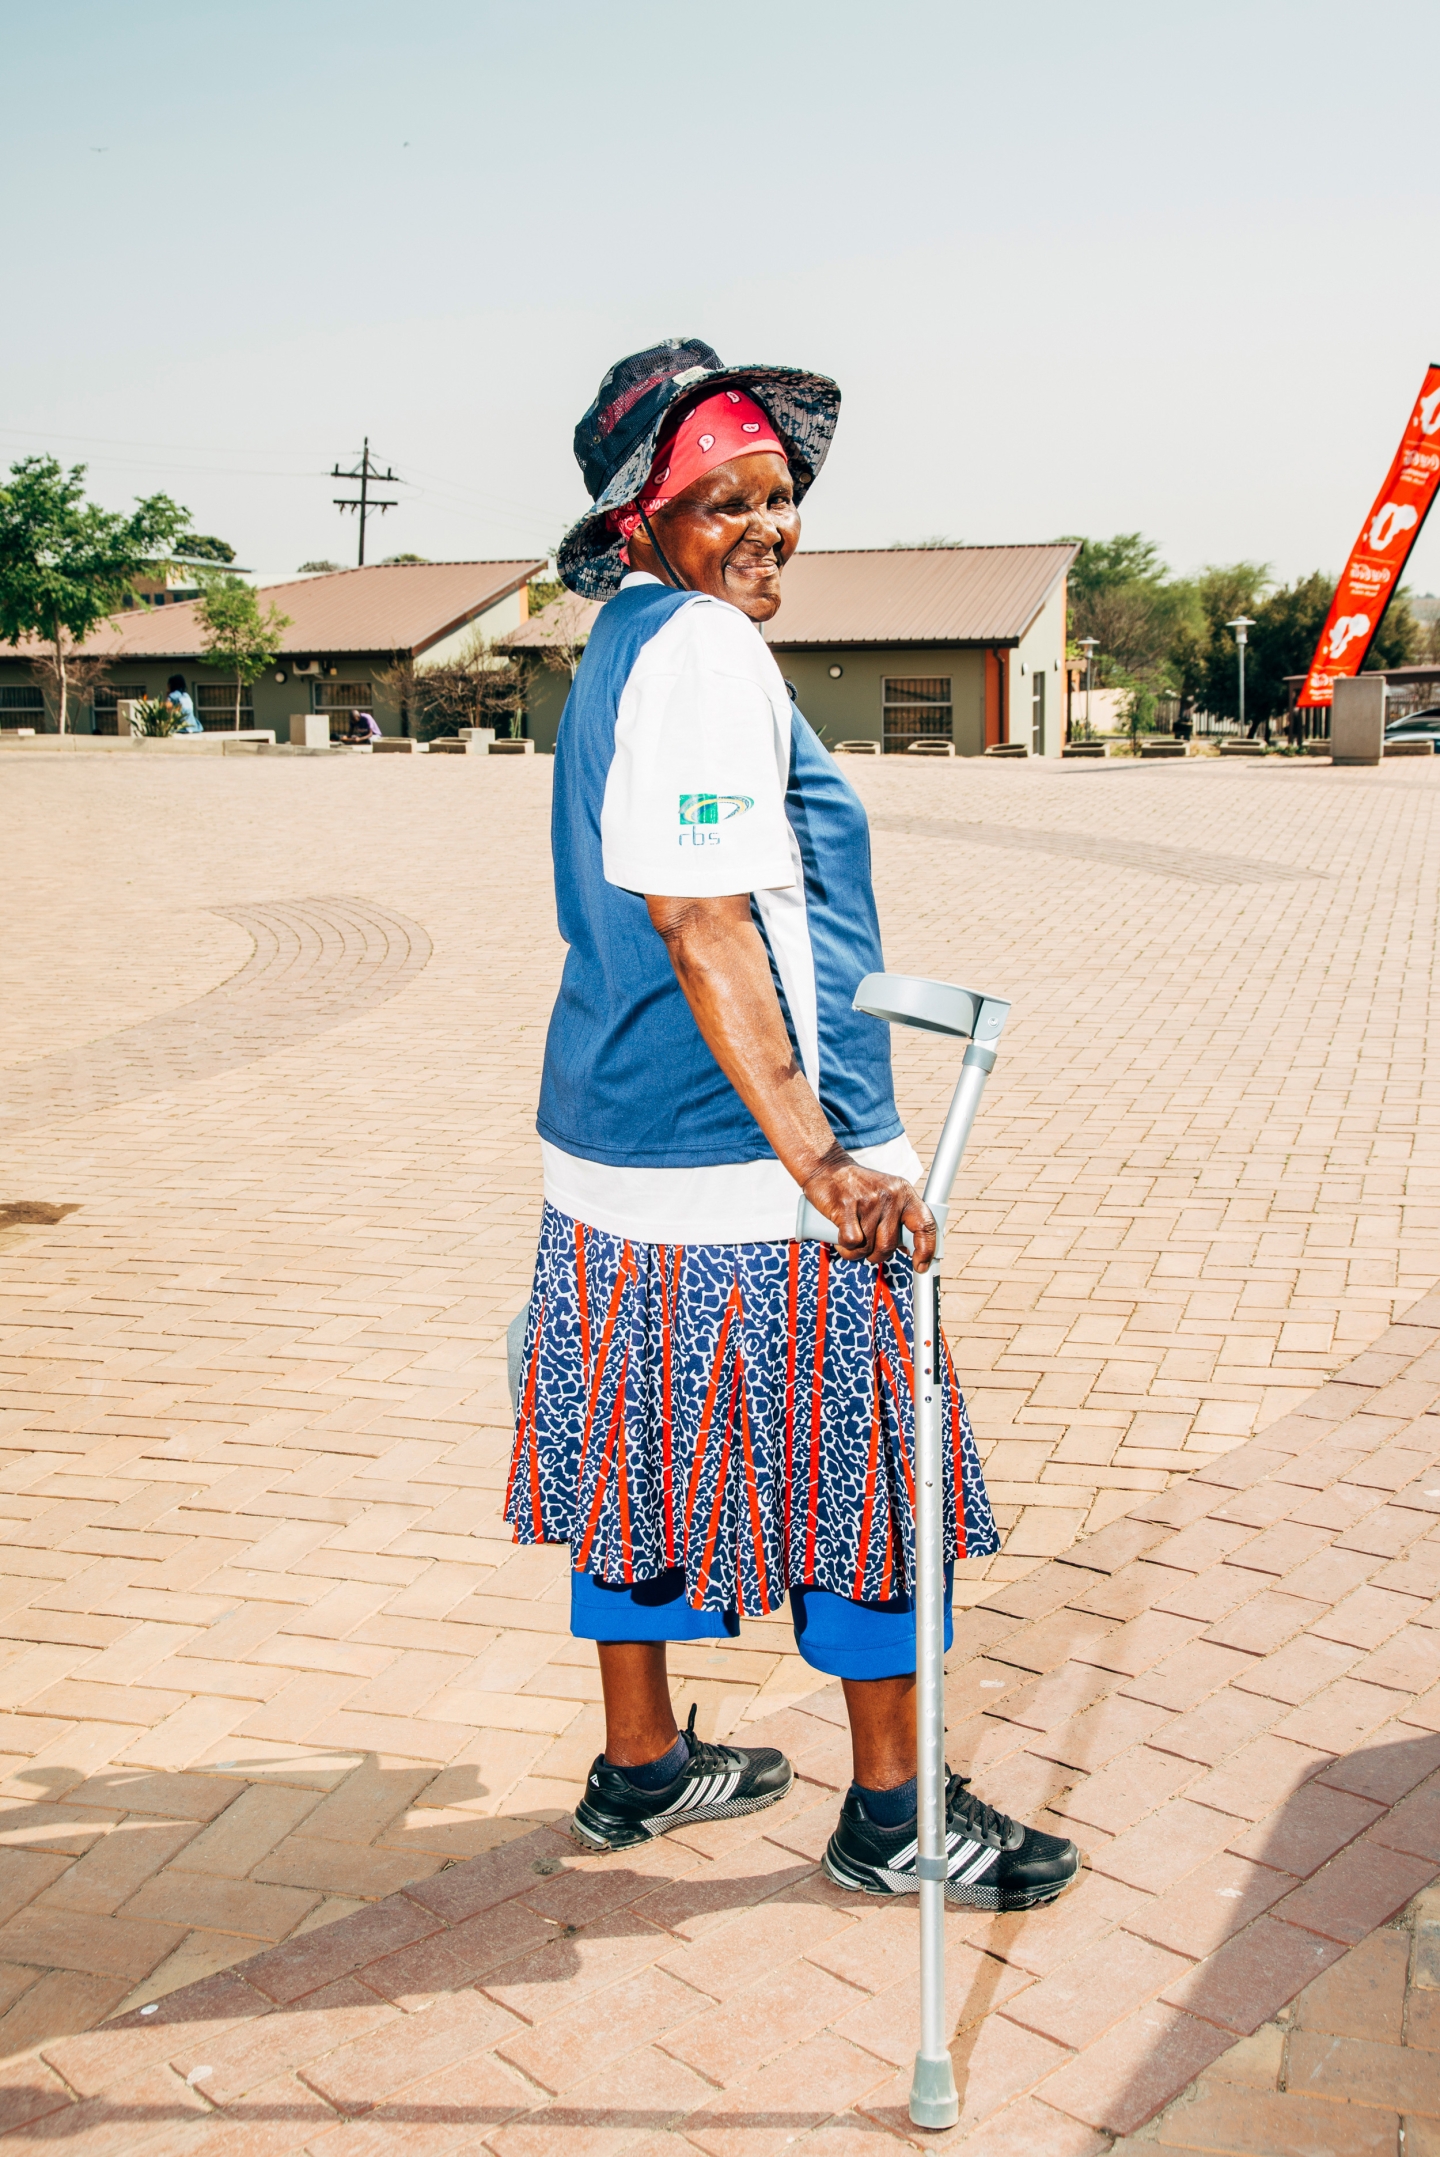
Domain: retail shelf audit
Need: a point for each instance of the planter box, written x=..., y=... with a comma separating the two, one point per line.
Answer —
x=1409, y=748
x=1162, y=748
x=1086, y=748
x=1007, y=748
x=1242, y=748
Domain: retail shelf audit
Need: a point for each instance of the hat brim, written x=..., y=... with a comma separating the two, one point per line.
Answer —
x=803, y=409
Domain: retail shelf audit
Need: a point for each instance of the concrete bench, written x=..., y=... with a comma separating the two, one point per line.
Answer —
x=1409, y=748
x=512, y=748
x=218, y=743
x=857, y=748
x=399, y=745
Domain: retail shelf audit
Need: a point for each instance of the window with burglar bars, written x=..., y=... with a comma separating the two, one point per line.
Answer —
x=215, y=705
x=343, y=696
x=22, y=707
x=104, y=703
x=916, y=707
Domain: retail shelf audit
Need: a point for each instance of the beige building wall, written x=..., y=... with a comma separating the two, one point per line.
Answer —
x=496, y=621
x=852, y=708
x=1040, y=653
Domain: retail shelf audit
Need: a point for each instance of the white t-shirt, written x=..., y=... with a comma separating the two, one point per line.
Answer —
x=705, y=719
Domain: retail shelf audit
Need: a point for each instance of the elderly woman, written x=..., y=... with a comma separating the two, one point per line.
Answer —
x=712, y=1415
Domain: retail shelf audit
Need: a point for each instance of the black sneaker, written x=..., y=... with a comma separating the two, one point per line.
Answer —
x=993, y=1862
x=717, y=1782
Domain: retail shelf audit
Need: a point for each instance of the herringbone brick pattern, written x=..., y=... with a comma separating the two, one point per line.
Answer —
x=267, y=1656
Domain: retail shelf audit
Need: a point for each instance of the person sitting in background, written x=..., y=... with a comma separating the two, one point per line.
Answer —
x=362, y=728
x=178, y=695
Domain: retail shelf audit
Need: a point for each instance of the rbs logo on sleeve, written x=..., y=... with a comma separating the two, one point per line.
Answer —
x=700, y=813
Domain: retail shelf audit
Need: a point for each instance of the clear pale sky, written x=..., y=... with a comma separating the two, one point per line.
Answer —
x=1135, y=265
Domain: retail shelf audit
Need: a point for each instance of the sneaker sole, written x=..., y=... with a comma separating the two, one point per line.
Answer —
x=874, y=1881
x=602, y=1831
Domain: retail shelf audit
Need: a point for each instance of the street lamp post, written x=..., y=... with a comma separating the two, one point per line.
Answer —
x=1241, y=625
x=1087, y=646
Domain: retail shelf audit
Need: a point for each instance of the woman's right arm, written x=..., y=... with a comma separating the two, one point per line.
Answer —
x=723, y=968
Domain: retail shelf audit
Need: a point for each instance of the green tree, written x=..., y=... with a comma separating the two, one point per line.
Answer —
x=65, y=563
x=1398, y=639
x=309, y=569
x=205, y=547
x=1204, y=662
x=237, y=635
x=1104, y=564
x=1121, y=595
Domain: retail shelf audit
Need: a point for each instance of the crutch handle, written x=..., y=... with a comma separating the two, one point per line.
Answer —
x=934, y=1007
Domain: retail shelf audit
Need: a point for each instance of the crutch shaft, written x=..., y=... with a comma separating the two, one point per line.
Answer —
x=934, y=2101
x=932, y=2069
x=936, y=1007
x=978, y=1063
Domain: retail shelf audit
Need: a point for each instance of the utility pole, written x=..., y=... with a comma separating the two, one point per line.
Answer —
x=365, y=471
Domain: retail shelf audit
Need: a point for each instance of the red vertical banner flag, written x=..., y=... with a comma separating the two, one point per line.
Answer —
x=1378, y=557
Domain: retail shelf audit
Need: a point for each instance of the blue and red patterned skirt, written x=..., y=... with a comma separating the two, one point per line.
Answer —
x=742, y=1410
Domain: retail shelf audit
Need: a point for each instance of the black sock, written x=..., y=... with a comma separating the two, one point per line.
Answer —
x=888, y=1808
x=655, y=1774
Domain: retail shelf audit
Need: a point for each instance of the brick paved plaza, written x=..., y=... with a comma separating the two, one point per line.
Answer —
x=289, y=1730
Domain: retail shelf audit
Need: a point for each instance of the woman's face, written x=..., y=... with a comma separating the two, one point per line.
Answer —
x=730, y=534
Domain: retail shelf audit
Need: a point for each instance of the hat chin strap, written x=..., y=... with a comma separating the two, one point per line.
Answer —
x=678, y=583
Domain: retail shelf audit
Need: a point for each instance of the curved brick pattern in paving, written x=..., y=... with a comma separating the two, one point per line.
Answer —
x=313, y=966
x=266, y=1656
x=1229, y=1698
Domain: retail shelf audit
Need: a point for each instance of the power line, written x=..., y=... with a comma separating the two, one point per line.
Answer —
x=429, y=482
x=365, y=471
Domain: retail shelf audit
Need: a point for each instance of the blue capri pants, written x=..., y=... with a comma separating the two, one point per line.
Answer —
x=833, y=1634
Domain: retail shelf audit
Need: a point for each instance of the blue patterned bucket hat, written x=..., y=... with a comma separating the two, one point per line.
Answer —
x=615, y=442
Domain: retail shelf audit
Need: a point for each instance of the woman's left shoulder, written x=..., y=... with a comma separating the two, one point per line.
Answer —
x=730, y=639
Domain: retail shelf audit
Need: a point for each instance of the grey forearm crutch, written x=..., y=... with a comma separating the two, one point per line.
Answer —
x=937, y=1008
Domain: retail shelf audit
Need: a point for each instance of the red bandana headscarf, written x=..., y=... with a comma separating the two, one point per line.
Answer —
x=722, y=427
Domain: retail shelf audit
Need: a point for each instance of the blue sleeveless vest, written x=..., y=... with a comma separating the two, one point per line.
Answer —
x=628, y=1079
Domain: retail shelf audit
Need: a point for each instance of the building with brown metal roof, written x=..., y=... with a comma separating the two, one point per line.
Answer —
x=890, y=645
x=345, y=629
